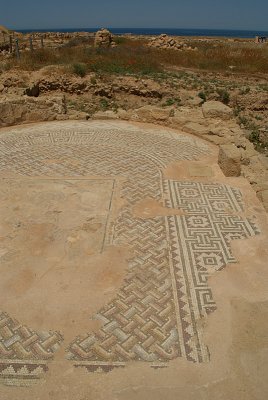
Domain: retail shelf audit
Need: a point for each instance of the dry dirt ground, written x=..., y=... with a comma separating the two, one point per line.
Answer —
x=131, y=267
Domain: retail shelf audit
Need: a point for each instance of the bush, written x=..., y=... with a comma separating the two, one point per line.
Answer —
x=254, y=136
x=203, y=96
x=171, y=102
x=80, y=69
x=104, y=104
x=223, y=96
x=244, y=91
x=120, y=40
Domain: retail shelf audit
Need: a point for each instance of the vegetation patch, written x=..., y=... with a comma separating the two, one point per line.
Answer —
x=79, y=69
x=133, y=56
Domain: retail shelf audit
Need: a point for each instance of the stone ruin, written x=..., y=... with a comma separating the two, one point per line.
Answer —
x=167, y=42
x=261, y=39
x=104, y=39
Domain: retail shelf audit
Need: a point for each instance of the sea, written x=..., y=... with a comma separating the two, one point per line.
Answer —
x=227, y=33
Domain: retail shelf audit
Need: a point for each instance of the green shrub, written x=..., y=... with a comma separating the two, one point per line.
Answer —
x=93, y=80
x=202, y=96
x=243, y=120
x=259, y=117
x=120, y=40
x=171, y=102
x=237, y=110
x=244, y=91
x=223, y=96
x=254, y=136
x=104, y=104
x=80, y=69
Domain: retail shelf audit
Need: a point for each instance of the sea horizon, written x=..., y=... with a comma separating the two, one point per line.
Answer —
x=228, y=33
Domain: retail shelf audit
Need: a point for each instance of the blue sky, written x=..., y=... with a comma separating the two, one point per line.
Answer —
x=221, y=14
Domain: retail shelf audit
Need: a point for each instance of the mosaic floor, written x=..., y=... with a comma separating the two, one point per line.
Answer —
x=67, y=176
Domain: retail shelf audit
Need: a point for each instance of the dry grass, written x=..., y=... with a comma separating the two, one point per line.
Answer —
x=243, y=57
x=132, y=56
x=126, y=58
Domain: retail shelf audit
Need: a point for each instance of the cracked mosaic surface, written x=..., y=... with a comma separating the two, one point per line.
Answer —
x=154, y=317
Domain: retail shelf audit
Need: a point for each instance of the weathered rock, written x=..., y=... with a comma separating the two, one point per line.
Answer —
x=247, y=150
x=30, y=109
x=264, y=161
x=241, y=142
x=260, y=104
x=186, y=115
x=244, y=159
x=216, y=109
x=250, y=150
x=76, y=115
x=104, y=39
x=263, y=136
x=194, y=101
x=196, y=129
x=151, y=114
x=123, y=114
x=190, y=99
x=230, y=160
x=262, y=186
x=104, y=92
x=10, y=80
x=219, y=131
x=109, y=114
x=164, y=41
x=138, y=91
x=218, y=140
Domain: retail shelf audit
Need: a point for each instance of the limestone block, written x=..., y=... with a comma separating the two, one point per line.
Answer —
x=186, y=115
x=151, y=114
x=218, y=140
x=109, y=114
x=75, y=115
x=196, y=129
x=123, y=114
x=216, y=109
x=230, y=160
x=17, y=109
x=220, y=131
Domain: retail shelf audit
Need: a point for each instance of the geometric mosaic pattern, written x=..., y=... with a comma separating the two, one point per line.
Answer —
x=24, y=353
x=200, y=245
x=155, y=315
